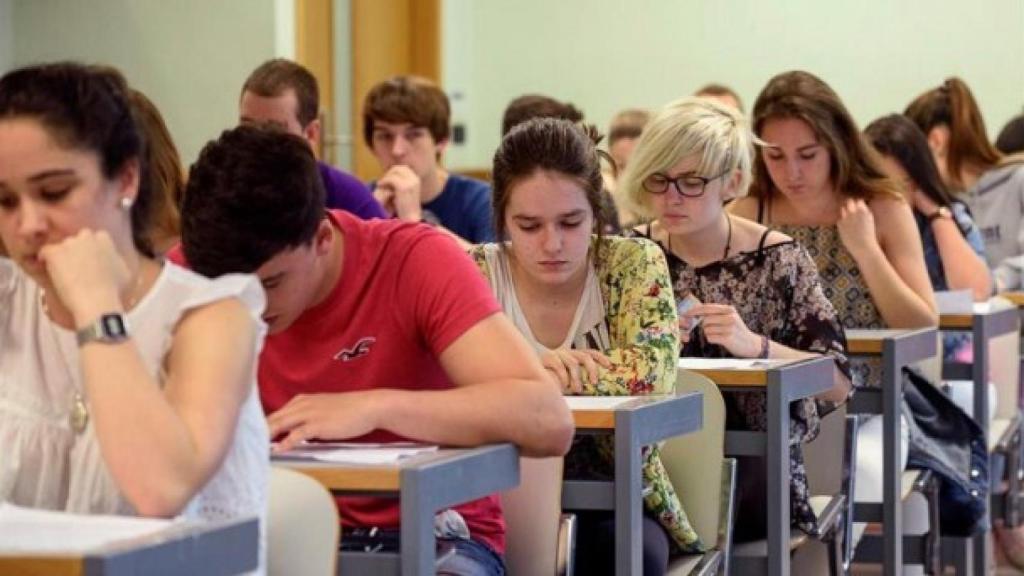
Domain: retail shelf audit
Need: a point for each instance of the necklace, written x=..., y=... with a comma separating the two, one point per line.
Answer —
x=78, y=414
x=728, y=239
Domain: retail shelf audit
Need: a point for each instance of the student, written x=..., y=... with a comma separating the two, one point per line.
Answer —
x=380, y=330
x=285, y=94
x=758, y=290
x=1011, y=137
x=721, y=93
x=166, y=176
x=128, y=384
x=531, y=106
x=991, y=185
x=406, y=126
x=819, y=181
x=953, y=249
x=597, y=310
x=623, y=133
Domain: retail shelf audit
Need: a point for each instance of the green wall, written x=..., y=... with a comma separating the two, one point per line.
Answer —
x=604, y=55
x=188, y=56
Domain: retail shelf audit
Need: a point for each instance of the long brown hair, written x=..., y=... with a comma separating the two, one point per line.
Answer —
x=952, y=105
x=163, y=170
x=856, y=169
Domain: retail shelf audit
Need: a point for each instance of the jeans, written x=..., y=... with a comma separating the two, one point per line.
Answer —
x=458, y=557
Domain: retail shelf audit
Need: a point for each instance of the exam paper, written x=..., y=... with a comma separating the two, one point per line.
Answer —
x=599, y=402
x=727, y=364
x=34, y=531
x=354, y=453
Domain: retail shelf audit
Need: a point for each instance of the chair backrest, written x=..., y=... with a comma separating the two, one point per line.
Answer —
x=694, y=461
x=533, y=512
x=302, y=526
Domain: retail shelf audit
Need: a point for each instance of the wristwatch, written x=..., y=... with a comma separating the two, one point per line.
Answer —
x=108, y=329
x=941, y=212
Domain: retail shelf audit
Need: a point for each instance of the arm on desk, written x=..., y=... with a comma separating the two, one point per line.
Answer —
x=501, y=394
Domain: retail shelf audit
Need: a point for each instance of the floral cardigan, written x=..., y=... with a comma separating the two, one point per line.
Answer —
x=643, y=330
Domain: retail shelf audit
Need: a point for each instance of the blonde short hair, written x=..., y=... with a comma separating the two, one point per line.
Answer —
x=717, y=135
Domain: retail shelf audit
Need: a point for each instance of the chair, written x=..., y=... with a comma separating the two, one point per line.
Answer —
x=302, y=526
x=834, y=511
x=539, y=538
x=706, y=491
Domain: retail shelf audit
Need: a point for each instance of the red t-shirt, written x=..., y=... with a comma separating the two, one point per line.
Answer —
x=406, y=292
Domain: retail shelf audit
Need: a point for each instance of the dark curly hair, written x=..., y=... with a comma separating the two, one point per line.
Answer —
x=252, y=194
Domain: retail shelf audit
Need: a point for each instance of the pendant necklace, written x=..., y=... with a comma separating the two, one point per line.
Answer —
x=78, y=414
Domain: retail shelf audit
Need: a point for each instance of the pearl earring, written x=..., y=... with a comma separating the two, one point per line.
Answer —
x=126, y=203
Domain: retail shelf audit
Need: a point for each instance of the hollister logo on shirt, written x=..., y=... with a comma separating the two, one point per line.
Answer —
x=361, y=348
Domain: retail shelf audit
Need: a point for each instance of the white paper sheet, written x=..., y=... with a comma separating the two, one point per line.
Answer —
x=727, y=364
x=351, y=453
x=954, y=301
x=32, y=531
x=583, y=403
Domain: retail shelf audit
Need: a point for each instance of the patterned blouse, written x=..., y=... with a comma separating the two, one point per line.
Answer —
x=776, y=291
x=639, y=323
x=845, y=287
x=842, y=281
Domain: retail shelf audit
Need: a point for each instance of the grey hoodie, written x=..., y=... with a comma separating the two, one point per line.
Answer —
x=997, y=204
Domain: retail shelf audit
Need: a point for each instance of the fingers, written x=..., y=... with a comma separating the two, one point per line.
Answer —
x=599, y=357
x=553, y=364
x=292, y=415
x=589, y=364
x=572, y=365
x=294, y=438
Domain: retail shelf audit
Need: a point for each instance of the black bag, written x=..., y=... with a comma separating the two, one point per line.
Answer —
x=950, y=443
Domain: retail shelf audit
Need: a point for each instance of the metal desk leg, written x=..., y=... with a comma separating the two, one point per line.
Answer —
x=979, y=374
x=628, y=499
x=417, y=543
x=778, y=477
x=892, y=506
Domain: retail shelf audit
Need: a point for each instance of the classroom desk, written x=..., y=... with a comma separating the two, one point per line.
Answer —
x=783, y=382
x=896, y=348
x=199, y=549
x=425, y=485
x=987, y=321
x=634, y=424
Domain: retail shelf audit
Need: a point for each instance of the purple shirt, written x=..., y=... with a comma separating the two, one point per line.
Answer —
x=345, y=192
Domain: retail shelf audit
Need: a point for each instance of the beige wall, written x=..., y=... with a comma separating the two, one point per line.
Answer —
x=189, y=56
x=604, y=55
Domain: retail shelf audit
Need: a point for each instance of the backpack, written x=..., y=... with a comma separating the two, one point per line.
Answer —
x=950, y=443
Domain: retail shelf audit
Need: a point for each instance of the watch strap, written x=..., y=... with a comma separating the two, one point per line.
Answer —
x=108, y=328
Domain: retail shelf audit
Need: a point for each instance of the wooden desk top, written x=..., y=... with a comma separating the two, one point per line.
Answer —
x=754, y=373
x=869, y=342
x=371, y=478
x=1017, y=298
x=226, y=547
x=964, y=321
x=598, y=412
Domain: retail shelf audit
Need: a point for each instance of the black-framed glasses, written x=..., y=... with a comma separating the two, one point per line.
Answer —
x=689, y=185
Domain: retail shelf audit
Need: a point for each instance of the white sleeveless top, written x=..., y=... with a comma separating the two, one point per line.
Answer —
x=589, y=329
x=45, y=464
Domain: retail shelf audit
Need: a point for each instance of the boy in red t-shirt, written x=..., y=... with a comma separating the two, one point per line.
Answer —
x=380, y=330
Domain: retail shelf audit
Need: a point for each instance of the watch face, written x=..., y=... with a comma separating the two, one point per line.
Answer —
x=113, y=327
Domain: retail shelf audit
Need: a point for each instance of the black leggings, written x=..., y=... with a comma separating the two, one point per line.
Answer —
x=595, y=544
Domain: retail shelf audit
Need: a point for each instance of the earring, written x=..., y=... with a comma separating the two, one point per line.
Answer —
x=126, y=203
